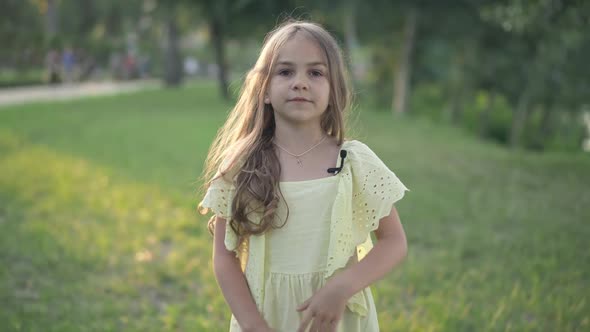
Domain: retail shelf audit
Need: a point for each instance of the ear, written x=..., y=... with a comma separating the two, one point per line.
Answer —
x=266, y=99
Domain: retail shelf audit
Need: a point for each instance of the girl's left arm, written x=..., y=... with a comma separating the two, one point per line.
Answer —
x=391, y=248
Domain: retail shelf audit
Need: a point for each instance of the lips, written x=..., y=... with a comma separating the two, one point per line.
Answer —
x=300, y=99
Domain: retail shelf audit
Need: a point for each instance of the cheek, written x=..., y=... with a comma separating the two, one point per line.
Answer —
x=326, y=93
x=326, y=88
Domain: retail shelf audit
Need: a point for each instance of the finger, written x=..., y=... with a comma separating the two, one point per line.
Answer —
x=303, y=305
x=307, y=316
x=316, y=325
x=328, y=325
x=324, y=325
x=332, y=326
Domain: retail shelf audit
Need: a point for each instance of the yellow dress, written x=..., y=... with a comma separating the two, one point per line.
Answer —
x=328, y=228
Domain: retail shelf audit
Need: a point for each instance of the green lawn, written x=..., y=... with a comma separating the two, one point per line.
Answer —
x=98, y=229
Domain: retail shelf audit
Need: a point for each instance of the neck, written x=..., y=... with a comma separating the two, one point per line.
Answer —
x=298, y=138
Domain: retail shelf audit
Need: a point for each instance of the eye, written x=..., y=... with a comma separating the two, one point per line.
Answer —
x=284, y=72
x=316, y=73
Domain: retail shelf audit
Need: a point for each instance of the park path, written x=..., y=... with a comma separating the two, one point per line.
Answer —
x=22, y=95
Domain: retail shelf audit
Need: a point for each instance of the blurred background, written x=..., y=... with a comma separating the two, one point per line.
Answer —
x=107, y=109
x=514, y=72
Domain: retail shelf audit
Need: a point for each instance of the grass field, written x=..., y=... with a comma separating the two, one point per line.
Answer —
x=98, y=229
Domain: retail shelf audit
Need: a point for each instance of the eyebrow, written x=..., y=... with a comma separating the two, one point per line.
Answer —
x=289, y=63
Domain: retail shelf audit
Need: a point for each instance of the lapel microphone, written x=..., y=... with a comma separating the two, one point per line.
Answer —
x=337, y=170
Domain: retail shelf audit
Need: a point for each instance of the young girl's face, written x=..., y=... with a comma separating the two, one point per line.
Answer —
x=299, y=89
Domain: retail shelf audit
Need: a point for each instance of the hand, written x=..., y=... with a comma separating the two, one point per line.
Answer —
x=325, y=307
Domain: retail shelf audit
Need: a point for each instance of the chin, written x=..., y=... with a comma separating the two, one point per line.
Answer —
x=299, y=115
x=304, y=118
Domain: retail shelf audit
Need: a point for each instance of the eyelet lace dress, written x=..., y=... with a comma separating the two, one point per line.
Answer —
x=328, y=228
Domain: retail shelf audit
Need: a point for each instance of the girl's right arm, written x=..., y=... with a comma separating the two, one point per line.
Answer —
x=233, y=283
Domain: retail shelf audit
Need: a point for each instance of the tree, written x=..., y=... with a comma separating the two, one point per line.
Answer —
x=18, y=43
x=173, y=73
x=553, y=39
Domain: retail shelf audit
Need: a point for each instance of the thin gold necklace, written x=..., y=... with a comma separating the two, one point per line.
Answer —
x=298, y=156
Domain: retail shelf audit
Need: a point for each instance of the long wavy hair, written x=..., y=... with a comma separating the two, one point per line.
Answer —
x=243, y=152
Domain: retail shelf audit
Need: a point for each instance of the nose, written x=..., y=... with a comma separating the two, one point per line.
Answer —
x=300, y=82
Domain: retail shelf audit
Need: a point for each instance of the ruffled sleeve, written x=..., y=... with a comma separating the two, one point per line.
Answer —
x=375, y=189
x=367, y=191
x=219, y=199
x=250, y=250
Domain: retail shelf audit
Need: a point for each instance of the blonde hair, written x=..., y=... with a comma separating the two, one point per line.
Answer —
x=243, y=152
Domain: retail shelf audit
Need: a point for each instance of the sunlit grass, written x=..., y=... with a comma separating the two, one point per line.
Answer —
x=98, y=229
x=81, y=250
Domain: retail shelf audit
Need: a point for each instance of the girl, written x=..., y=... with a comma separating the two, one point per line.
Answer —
x=294, y=202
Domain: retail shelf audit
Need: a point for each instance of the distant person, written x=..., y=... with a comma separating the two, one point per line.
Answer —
x=130, y=65
x=116, y=65
x=191, y=66
x=68, y=64
x=144, y=66
x=87, y=65
x=294, y=202
x=52, y=65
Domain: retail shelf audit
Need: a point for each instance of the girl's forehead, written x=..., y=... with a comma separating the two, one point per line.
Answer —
x=301, y=49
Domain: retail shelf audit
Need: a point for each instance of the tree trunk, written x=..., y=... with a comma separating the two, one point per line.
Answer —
x=404, y=66
x=456, y=109
x=51, y=19
x=484, y=116
x=173, y=64
x=217, y=38
x=351, y=39
x=520, y=118
x=459, y=83
x=545, y=128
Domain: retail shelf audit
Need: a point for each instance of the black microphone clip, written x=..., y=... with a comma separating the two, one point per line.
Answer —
x=337, y=170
